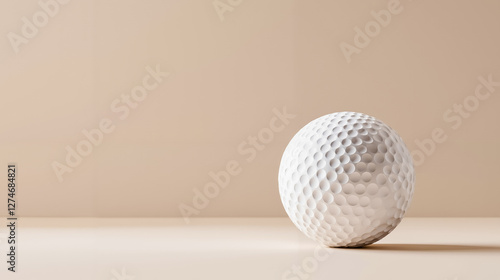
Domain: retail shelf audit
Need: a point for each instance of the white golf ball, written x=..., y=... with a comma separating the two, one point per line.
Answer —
x=346, y=179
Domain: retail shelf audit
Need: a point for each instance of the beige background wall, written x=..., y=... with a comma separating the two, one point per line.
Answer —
x=226, y=77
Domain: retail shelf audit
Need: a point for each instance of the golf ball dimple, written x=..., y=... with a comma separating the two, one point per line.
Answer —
x=346, y=179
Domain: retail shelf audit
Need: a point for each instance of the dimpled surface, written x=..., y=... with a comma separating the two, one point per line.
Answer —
x=346, y=179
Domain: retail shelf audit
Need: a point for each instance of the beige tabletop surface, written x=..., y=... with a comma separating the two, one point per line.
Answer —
x=246, y=248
